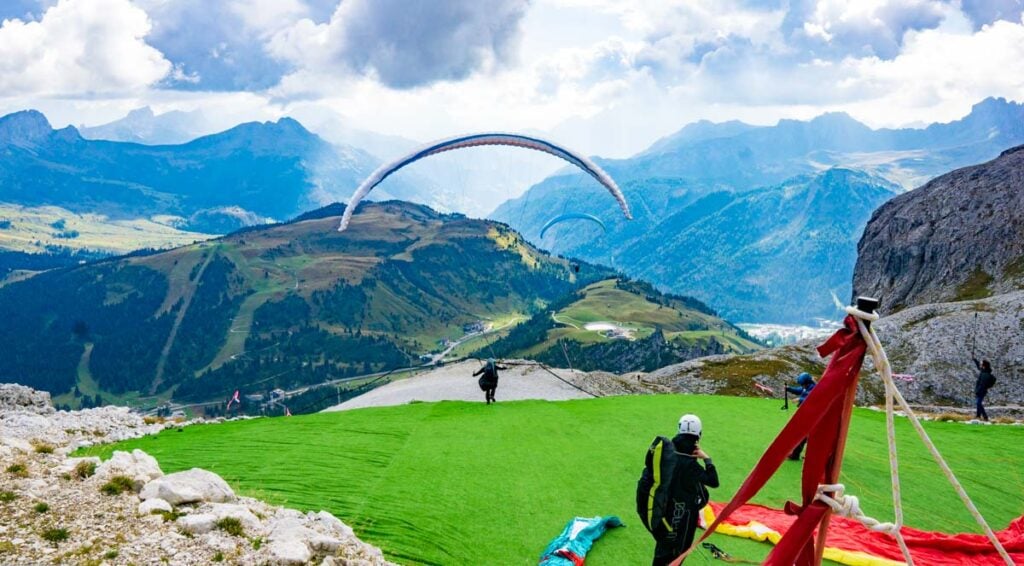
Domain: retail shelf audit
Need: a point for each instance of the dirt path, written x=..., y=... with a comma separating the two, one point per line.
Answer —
x=456, y=383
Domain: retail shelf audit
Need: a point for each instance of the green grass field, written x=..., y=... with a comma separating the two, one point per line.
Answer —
x=466, y=483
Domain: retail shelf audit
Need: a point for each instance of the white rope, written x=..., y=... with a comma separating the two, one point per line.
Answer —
x=891, y=394
x=849, y=506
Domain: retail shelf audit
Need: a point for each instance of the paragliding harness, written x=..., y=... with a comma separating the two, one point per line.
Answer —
x=489, y=380
x=654, y=490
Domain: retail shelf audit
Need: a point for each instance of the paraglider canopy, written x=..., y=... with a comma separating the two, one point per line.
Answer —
x=474, y=140
x=571, y=216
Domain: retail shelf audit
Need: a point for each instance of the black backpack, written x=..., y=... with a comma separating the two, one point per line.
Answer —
x=653, y=489
x=489, y=380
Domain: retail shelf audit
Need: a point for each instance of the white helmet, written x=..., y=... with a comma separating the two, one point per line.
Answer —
x=690, y=424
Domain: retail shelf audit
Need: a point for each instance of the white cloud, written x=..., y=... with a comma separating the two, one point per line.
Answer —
x=80, y=47
x=405, y=45
x=869, y=27
x=605, y=76
x=940, y=74
x=268, y=16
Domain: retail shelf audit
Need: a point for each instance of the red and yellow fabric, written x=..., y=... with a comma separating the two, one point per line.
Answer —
x=851, y=543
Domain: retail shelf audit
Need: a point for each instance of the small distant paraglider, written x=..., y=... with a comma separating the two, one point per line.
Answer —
x=473, y=140
x=572, y=216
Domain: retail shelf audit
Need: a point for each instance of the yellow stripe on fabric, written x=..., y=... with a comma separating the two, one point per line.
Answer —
x=759, y=532
x=656, y=464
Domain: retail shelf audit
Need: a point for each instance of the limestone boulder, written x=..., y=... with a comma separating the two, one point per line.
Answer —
x=190, y=486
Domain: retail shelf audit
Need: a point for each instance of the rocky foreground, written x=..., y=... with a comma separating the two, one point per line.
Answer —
x=56, y=509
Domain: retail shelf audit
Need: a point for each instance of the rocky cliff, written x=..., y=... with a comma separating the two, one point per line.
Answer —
x=930, y=346
x=959, y=237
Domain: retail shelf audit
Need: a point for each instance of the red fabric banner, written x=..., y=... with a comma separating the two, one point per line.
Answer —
x=818, y=419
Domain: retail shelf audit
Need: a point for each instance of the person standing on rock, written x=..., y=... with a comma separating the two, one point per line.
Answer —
x=489, y=380
x=805, y=383
x=984, y=382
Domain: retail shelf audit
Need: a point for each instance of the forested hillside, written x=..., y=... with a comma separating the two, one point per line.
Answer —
x=284, y=305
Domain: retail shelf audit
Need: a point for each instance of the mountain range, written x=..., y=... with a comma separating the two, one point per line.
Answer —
x=298, y=303
x=946, y=262
x=733, y=198
x=253, y=171
x=737, y=202
x=474, y=182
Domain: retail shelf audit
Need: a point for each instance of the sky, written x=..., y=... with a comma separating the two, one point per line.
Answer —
x=608, y=77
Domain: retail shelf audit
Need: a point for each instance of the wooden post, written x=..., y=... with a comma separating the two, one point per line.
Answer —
x=868, y=305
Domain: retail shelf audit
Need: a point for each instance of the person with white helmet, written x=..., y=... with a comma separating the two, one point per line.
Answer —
x=687, y=492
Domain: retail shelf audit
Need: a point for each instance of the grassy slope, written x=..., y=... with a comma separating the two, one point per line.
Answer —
x=458, y=483
x=603, y=302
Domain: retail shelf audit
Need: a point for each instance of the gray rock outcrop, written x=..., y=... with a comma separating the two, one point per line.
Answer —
x=960, y=236
x=934, y=344
x=14, y=397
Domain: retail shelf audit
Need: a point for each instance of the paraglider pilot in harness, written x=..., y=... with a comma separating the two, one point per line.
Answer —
x=805, y=383
x=984, y=382
x=489, y=380
x=673, y=489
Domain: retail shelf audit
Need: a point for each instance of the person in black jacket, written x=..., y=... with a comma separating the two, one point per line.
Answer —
x=984, y=382
x=805, y=384
x=489, y=380
x=689, y=493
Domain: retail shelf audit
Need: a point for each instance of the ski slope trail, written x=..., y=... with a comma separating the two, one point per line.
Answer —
x=186, y=300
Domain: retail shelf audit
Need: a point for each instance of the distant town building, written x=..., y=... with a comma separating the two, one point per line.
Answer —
x=618, y=333
x=474, y=327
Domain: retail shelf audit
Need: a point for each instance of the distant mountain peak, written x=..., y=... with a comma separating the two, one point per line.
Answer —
x=24, y=128
x=835, y=118
x=144, y=125
x=143, y=112
x=994, y=109
x=993, y=102
x=290, y=124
